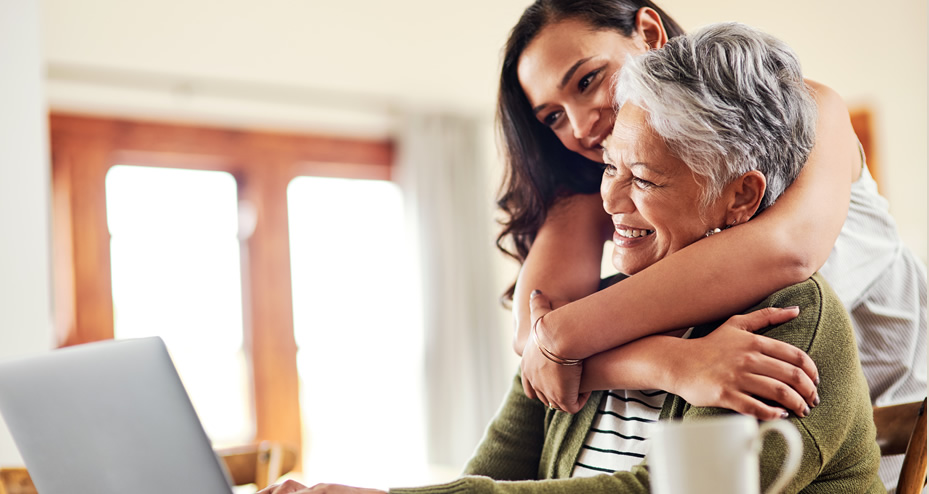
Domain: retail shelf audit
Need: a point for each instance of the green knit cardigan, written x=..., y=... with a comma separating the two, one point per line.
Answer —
x=530, y=449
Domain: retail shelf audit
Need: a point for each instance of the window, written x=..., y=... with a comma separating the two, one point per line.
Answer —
x=96, y=297
x=174, y=253
x=358, y=332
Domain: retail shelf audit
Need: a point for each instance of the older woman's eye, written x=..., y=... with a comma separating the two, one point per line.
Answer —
x=609, y=170
x=642, y=184
x=551, y=119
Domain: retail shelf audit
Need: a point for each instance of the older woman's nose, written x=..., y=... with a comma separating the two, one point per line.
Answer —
x=615, y=196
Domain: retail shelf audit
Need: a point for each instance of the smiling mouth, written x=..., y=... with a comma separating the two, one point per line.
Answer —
x=634, y=233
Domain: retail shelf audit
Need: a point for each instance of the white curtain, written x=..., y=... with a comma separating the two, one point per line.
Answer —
x=450, y=205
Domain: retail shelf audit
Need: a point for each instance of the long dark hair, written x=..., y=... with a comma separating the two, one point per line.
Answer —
x=539, y=169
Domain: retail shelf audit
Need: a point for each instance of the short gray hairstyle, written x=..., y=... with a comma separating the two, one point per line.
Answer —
x=726, y=99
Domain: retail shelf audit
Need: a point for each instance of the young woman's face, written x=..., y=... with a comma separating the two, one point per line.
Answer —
x=567, y=73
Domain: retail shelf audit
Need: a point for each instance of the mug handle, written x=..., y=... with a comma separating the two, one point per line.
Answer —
x=794, y=452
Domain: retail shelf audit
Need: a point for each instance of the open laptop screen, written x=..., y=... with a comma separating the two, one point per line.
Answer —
x=108, y=417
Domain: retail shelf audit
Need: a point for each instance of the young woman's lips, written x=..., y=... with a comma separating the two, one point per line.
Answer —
x=603, y=132
x=596, y=150
x=625, y=236
x=597, y=144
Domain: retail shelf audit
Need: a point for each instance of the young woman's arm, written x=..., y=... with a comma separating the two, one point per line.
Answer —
x=565, y=258
x=723, y=274
x=729, y=368
x=715, y=277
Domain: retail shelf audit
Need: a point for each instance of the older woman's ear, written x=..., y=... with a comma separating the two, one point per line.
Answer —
x=744, y=197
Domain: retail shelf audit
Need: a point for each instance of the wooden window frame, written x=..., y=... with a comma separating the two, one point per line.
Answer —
x=862, y=119
x=84, y=148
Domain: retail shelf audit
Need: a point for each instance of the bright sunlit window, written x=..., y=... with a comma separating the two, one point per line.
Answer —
x=176, y=274
x=359, y=336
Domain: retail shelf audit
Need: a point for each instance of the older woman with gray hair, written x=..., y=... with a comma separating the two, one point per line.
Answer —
x=710, y=130
x=726, y=101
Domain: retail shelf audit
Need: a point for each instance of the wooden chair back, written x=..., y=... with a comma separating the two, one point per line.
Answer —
x=16, y=481
x=901, y=429
x=260, y=464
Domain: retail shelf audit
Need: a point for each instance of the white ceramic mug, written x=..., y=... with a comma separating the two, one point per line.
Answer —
x=717, y=455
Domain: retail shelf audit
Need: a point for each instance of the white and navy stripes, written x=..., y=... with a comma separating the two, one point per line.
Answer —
x=617, y=439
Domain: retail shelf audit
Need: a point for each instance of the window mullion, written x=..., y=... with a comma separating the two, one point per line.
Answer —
x=80, y=164
x=269, y=308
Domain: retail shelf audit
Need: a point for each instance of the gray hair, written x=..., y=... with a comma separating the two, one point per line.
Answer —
x=726, y=99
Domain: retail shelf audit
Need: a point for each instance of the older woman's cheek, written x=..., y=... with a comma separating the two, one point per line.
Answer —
x=606, y=193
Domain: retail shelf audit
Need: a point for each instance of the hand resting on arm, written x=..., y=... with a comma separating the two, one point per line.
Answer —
x=731, y=368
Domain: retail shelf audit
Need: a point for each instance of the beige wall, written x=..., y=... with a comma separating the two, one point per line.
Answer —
x=349, y=67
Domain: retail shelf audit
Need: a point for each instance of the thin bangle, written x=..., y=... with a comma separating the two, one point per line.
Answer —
x=548, y=353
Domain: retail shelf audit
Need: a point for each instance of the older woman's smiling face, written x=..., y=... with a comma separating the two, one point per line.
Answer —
x=654, y=198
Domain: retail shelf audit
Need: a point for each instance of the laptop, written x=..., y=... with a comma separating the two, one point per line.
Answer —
x=108, y=417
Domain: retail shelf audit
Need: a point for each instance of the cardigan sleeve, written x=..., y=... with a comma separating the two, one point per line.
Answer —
x=633, y=482
x=512, y=444
x=507, y=460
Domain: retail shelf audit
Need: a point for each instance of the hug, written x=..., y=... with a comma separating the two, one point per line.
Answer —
x=706, y=133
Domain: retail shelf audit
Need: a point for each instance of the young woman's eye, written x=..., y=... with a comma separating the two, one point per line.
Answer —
x=586, y=81
x=551, y=119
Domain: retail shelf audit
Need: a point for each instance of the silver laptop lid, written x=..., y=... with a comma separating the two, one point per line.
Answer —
x=108, y=417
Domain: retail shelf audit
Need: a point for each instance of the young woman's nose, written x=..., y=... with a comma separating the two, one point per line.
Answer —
x=582, y=121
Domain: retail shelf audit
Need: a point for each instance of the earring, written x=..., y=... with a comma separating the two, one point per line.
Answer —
x=714, y=231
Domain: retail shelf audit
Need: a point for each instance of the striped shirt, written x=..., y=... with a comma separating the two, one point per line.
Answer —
x=616, y=440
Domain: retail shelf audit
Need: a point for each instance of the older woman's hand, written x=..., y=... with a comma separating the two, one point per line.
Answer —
x=736, y=369
x=293, y=487
x=556, y=386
